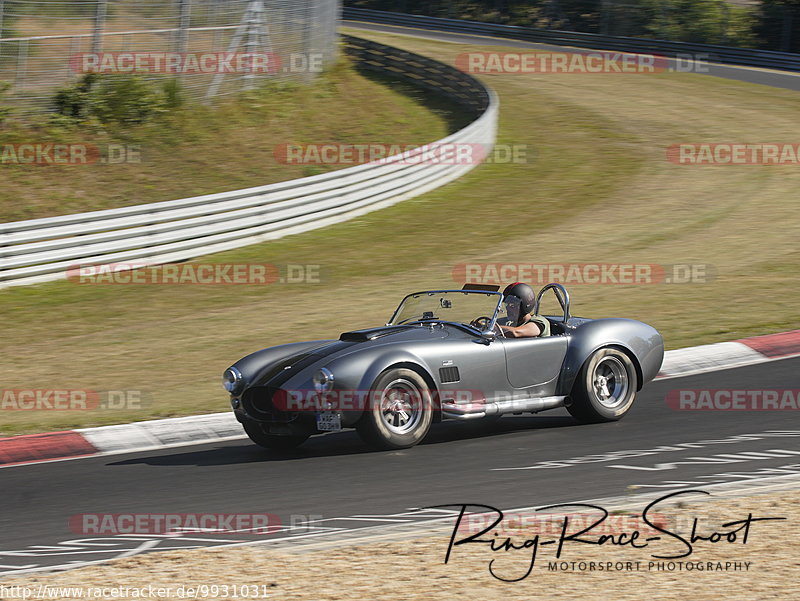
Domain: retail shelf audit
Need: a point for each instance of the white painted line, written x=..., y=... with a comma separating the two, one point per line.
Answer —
x=360, y=519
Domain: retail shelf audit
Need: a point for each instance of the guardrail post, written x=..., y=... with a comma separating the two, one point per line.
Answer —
x=215, y=21
x=241, y=30
x=99, y=26
x=184, y=15
x=182, y=35
x=74, y=49
x=255, y=27
x=22, y=64
x=308, y=33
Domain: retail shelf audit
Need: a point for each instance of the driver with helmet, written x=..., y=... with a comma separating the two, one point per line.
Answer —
x=519, y=300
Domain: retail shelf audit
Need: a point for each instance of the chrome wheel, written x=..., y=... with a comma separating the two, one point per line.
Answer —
x=402, y=412
x=401, y=405
x=610, y=382
x=604, y=388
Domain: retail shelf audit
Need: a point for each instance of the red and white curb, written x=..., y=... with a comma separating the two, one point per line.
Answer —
x=124, y=438
x=727, y=355
x=217, y=427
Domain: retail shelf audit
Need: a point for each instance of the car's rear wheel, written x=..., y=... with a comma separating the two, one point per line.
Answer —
x=400, y=413
x=276, y=442
x=605, y=387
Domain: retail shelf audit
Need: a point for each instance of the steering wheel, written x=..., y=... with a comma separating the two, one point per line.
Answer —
x=481, y=322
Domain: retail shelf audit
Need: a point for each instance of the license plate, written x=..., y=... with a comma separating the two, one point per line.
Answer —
x=328, y=421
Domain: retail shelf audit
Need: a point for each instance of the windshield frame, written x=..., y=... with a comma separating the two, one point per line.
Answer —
x=489, y=327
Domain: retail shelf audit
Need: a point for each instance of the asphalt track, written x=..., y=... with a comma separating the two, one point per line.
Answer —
x=335, y=476
x=340, y=485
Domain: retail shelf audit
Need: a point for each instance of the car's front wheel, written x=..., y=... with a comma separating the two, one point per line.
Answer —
x=605, y=387
x=400, y=411
x=272, y=441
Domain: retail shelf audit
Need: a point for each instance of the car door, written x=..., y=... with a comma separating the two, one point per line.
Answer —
x=534, y=361
x=466, y=367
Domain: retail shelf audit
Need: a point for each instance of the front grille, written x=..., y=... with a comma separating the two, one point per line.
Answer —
x=257, y=402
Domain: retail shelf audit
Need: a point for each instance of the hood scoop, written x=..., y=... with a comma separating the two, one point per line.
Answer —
x=371, y=333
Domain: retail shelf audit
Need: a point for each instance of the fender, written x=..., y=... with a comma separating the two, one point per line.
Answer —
x=643, y=342
x=360, y=372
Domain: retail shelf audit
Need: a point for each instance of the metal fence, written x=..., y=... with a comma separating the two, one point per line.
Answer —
x=46, y=249
x=43, y=42
x=720, y=54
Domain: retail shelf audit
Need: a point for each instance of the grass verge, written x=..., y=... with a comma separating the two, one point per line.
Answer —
x=214, y=149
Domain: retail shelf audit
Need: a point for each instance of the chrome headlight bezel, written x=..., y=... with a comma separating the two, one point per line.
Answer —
x=323, y=380
x=232, y=380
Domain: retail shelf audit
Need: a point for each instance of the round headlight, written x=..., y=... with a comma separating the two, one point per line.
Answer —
x=232, y=380
x=323, y=380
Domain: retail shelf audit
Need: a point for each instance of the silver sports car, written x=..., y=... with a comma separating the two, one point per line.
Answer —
x=441, y=356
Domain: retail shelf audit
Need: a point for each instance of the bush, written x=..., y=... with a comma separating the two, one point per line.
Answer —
x=123, y=99
x=73, y=101
x=699, y=21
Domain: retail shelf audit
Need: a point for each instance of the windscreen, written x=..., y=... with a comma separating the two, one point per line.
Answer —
x=456, y=306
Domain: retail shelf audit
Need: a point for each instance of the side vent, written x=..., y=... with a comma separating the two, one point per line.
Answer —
x=448, y=374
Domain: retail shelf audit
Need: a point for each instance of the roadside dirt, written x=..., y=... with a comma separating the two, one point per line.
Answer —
x=767, y=566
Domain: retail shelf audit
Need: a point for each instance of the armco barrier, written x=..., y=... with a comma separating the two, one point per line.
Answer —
x=719, y=54
x=41, y=250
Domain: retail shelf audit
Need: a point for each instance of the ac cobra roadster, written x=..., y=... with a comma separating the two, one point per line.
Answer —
x=442, y=356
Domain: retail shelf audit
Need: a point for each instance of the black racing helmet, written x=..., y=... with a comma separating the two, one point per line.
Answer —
x=524, y=293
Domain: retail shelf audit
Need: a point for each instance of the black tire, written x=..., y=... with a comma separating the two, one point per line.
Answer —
x=400, y=413
x=605, y=387
x=274, y=442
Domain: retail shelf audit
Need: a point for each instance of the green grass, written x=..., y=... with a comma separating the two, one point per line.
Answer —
x=214, y=149
x=599, y=190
